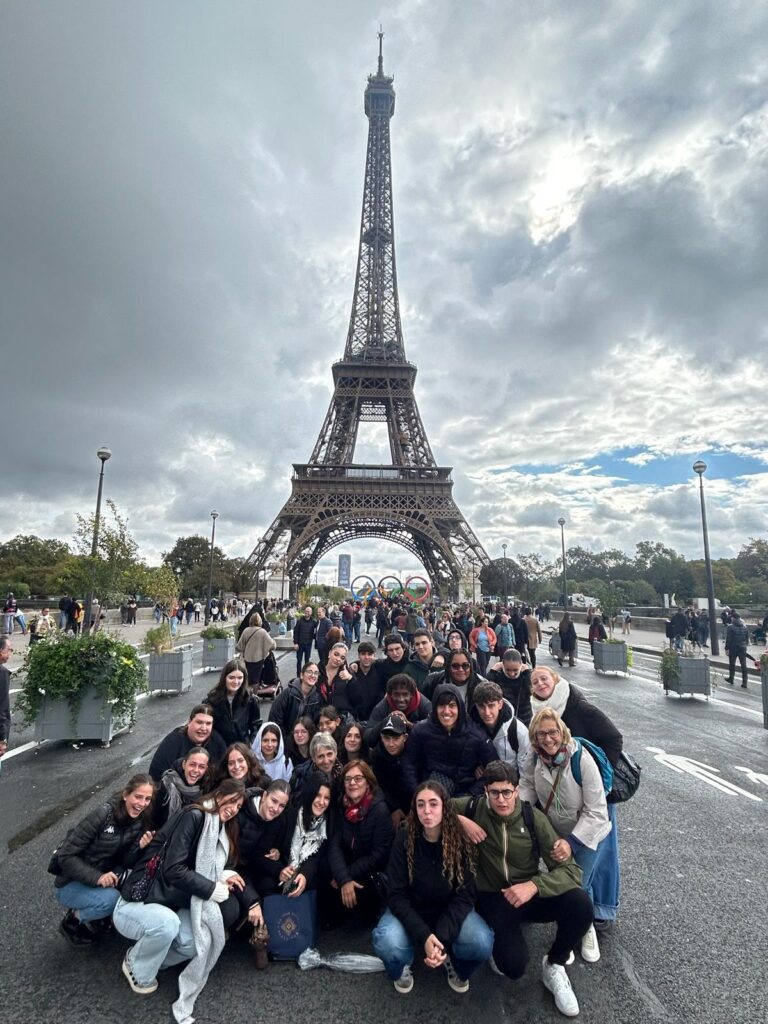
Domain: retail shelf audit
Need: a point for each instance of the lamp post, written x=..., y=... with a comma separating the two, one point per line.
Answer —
x=700, y=468
x=214, y=517
x=104, y=455
x=561, y=522
x=504, y=558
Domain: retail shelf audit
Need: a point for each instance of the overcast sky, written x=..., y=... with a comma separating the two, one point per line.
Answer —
x=582, y=240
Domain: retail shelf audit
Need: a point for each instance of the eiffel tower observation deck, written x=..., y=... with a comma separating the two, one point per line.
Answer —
x=333, y=498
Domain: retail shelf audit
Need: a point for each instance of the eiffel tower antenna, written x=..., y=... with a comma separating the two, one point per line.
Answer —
x=333, y=498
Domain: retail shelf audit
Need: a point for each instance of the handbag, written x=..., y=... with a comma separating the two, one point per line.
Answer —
x=292, y=924
x=626, y=779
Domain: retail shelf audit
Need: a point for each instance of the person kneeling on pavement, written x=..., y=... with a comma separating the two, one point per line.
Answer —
x=512, y=891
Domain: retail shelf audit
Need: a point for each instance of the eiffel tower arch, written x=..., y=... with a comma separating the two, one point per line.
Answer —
x=333, y=499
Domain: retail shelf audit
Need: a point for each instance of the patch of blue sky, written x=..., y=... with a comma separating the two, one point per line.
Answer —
x=642, y=466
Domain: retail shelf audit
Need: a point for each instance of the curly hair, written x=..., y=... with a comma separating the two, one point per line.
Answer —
x=459, y=855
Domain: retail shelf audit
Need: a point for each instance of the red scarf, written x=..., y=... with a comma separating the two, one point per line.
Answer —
x=356, y=812
x=412, y=708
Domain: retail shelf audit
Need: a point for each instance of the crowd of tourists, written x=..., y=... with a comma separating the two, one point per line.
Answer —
x=434, y=796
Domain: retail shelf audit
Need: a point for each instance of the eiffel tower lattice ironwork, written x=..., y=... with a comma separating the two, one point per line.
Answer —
x=333, y=499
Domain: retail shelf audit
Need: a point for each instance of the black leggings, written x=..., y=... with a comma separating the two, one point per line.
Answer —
x=571, y=910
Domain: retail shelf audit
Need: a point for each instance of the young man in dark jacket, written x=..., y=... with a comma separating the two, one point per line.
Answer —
x=303, y=637
x=417, y=665
x=387, y=763
x=365, y=689
x=736, y=640
x=402, y=699
x=447, y=747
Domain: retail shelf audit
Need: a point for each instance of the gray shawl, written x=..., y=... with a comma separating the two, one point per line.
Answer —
x=207, y=923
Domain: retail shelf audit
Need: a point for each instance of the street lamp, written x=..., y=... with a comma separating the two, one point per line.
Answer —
x=104, y=455
x=214, y=517
x=700, y=468
x=561, y=522
x=504, y=549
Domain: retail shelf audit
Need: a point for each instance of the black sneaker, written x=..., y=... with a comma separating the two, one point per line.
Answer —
x=75, y=932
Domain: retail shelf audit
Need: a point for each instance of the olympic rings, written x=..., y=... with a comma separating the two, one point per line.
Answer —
x=412, y=594
x=368, y=594
x=387, y=591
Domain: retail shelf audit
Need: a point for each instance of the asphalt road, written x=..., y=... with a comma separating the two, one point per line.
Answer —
x=688, y=945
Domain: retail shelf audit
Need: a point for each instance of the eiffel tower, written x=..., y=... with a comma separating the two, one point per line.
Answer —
x=333, y=499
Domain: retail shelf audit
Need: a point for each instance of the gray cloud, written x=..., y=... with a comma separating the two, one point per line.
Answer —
x=582, y=248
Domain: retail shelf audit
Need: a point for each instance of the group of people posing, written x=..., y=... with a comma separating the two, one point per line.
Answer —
x=443, y=807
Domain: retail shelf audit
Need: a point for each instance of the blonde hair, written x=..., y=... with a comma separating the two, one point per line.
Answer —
x=547, y=715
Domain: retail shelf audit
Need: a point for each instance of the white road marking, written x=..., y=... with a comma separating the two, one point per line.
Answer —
x=22, y=749
x=704, y=772
x=752, y=776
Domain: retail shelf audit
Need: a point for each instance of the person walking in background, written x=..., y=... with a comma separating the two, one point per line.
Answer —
x=736, y=640
x=6, y=650
x=534, y=635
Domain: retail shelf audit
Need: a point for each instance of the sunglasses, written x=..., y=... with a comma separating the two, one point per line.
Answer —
x=461, y=665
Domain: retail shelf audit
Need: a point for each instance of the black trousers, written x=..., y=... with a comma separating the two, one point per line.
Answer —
x=572, y=910
x=741, y=654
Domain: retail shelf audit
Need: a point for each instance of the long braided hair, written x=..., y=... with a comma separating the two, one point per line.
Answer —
x=459, y=855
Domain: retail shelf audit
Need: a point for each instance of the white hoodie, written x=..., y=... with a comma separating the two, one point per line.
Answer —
x=279, y=767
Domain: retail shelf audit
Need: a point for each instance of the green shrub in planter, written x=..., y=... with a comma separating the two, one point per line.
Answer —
x=64, y=668
x=215, y=633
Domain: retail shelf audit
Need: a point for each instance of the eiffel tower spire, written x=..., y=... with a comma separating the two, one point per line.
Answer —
x=334, y=499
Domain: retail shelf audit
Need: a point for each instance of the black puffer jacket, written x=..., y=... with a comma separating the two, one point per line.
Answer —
x=98, y=844
x=516, y=691
x=584, y=719
x=290, y=705
x=357, y=850
x=257, y=838
x=236, y=722
x=455, y=754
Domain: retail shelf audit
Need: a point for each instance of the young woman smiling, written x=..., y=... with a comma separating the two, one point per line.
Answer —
x=95, y=854
x=235, y=708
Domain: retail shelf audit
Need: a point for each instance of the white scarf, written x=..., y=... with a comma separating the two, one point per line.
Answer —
x=207, y=922
x=306, y=842
x=556, y=700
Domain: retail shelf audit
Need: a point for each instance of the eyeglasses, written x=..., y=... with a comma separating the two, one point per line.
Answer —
x=354, y=778
x=462, y=666
x=545, y=734
x=501, y=794
x=315, y=673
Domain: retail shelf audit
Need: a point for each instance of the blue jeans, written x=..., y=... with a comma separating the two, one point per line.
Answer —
x=91, y=902
x=303, y=656
x=347, y=627
x=586, y=859
x=470, y=948
x=163, y=937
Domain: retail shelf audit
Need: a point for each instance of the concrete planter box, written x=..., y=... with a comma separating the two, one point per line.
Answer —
x=764, y=687
x=94, y=719
x=171, y=671
x=610, y=657
x=216, y=653
x=693, y=678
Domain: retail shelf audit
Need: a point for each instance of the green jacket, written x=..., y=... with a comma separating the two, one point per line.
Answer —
x=505, y=857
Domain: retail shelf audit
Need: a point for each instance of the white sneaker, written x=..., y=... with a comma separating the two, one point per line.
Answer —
x=557, y=981
x=404, y=983
x=458, y=984
x=140, y=990
x=571, y=958
x=590, y=950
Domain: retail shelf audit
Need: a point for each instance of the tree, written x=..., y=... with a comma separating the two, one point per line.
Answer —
x=33, y=561
x=536, y=576
x=111, y=572
x=752, y=561
x=189, y=559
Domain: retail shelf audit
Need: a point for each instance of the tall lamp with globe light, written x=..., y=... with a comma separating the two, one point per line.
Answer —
x=104, y=454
